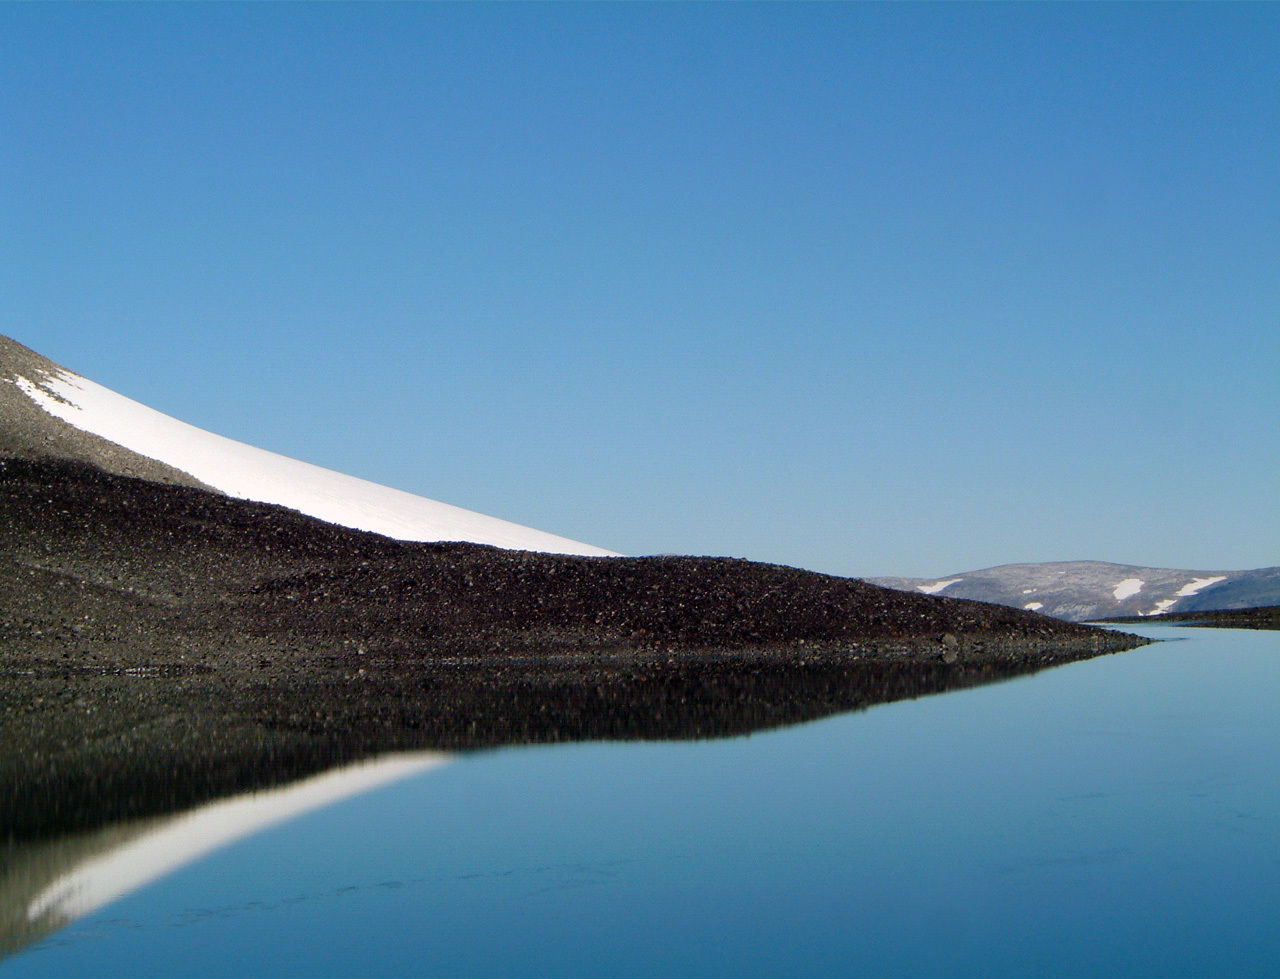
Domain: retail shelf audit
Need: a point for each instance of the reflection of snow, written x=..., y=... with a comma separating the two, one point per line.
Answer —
x=193, y=835
x=249, y=473
x=937, y=586
x=1130, y=586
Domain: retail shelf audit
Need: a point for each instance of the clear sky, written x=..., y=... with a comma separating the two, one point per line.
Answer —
x=866, y=289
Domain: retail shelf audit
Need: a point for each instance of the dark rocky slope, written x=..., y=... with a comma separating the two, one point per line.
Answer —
x=161, y=645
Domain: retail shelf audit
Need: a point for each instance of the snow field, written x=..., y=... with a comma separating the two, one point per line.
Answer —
x=250, y=473
x=1127, y=588
x=937, y=586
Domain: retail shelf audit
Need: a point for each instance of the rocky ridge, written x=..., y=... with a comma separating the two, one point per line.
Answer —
x=1090, y=591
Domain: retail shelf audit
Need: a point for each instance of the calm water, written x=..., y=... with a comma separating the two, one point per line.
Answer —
x=1120, y=815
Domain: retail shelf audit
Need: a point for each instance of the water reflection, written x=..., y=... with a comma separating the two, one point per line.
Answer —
x=88, y=751
x=48, y=885
x=1111, y=817
x=85, y=827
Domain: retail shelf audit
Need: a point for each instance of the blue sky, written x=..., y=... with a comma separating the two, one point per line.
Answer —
x=866, y=289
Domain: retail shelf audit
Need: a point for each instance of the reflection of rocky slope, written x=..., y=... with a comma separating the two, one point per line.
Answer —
x=162, y=645
x=1082, y=591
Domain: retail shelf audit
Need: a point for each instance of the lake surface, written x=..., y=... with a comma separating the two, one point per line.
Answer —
x=1120, y=815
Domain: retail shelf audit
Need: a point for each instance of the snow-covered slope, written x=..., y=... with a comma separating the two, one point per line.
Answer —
x=249, y=473
x=1087, y=590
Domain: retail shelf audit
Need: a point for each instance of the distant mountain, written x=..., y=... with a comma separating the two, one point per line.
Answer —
x=46, y=411
x=1084, y=591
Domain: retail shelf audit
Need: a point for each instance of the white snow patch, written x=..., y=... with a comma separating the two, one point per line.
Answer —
x=1033, y=606
x=937, y=586
x=1027, y=591
x=102, y=879
x=1130, y=586
x=1193, y=586
x=1187, y=590
x=250, y=473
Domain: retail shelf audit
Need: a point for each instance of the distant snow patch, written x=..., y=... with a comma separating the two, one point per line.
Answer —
x=1191, y=587
x=1033, y=606
x=1186, y=591
x=1027, y=591
x=1130, y=586
x=937, y=586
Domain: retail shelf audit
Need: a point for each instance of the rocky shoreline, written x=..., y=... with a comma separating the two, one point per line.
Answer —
x=1264, y=617
x=162, y=645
